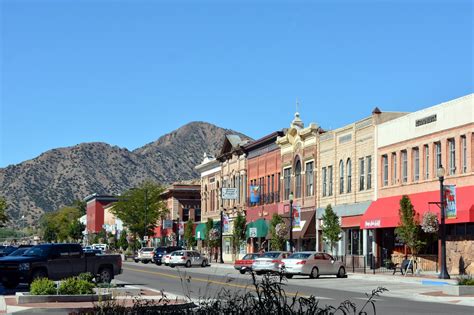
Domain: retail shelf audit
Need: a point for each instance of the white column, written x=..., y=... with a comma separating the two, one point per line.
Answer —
x=317, y=234
x=364, y=242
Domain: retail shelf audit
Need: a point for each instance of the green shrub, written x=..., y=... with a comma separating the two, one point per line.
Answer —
x=465, y=281
x=42, y=286
x=74, y=285
x=86, y=276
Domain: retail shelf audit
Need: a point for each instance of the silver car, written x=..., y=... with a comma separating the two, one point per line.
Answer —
x=187, y=258
x=269, y=261
x=312, y=264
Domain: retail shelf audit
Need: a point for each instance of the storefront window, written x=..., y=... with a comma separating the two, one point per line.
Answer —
x=354, y=242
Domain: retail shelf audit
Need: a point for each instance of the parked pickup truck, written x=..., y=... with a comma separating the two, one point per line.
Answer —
x=57, y=261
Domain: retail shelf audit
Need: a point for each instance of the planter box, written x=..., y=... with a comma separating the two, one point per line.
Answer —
x=24, y=297
x=118, y=291
x=459, y=290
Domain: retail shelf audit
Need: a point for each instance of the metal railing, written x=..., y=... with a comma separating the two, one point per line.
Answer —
x=374, y=265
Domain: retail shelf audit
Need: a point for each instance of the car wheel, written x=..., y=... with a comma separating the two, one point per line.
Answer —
x=188, y=264
x=145, y=261
x=157, y=263
x=39, y=274
x=242, y=271
x=289, y=276
x=204, y=263
x=259, y=273
x=341, y=273
x=172, y=266
x=105, y=275
x=137, y=260
x=314, y=273
x=10, y=284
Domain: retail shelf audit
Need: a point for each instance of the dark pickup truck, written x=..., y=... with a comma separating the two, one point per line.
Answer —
x=56, y=262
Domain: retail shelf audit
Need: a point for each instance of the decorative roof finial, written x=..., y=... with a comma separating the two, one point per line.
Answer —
x=297, y=122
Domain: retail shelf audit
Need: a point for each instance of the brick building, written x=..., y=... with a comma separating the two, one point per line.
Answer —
x=410, y=149
x=95, y=211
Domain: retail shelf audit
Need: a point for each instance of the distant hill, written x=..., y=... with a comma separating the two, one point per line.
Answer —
x=58, y=177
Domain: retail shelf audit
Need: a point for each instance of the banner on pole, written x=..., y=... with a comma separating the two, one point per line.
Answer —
x=450, y=201
x=254, y=194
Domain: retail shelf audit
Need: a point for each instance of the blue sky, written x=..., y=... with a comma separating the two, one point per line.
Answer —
x=127, y=72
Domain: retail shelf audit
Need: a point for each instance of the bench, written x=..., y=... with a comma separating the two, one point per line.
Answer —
x=403, y=266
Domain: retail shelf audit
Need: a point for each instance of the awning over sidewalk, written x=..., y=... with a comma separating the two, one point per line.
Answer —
x=347, y=210
x=201, y=231
x=308, y=226
x=258, y=228
x=383, y=213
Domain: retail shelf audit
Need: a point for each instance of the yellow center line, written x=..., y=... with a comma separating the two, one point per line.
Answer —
x=205, y=280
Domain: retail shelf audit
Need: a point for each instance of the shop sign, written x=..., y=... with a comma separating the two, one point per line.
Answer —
x=229, y=193
x=253, y=232
x=167, y=224
x=372, y=223
x=450, y=199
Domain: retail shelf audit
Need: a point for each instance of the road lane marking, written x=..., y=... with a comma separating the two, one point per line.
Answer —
x=217, y=282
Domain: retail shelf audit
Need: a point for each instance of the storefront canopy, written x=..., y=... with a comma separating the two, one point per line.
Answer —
x=258, y=228
x=384, y=212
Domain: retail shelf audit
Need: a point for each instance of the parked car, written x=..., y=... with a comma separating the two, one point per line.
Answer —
x=269, y=262
x=145, y=254
x=313, y=264
x=245, y=264
x=160, y=252
x=56, y=262
x=187, y=258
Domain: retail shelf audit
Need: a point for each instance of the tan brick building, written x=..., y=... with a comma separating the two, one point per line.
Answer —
x=410, y=149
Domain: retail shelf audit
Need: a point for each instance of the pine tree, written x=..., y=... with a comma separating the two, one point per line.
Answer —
x=331, y=227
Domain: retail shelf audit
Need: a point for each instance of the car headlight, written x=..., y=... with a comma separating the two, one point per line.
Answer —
x=24, y=266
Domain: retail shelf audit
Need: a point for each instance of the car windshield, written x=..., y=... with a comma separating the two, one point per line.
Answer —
x=38, y=251
x=270, y=255
x=299, y=256
x=177, y=254
x=161, y=250
x=147, y=249
x=250, y=256
x=19, y=251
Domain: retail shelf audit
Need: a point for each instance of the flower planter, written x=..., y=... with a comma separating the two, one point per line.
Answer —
x=118, y=291
x=458, y=290
x=25, y=297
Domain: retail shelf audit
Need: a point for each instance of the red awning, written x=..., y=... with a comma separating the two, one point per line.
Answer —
x=352, y=221
x=383, y=213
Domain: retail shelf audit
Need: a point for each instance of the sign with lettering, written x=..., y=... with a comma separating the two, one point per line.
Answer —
x=372, y=223
x=450, y=201
x=253, y=232
x=229, y=193
x=167, y=224
x=425, y=120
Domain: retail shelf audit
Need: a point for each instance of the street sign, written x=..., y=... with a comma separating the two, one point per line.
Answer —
x=167, y=224
x=145, y=238
x=229, y=193
x=253, y=232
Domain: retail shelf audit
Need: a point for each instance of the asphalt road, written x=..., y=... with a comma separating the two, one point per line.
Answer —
x=202, y=283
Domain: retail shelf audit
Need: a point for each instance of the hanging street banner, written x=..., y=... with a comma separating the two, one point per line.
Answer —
x=450, y=200
x=296, y=218
x=181, y=228
x=254, y=194
x=225, y=219
x=229, y=193
x=167, y=224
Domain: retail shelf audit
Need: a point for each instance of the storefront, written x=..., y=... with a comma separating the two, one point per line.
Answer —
x=256, y=234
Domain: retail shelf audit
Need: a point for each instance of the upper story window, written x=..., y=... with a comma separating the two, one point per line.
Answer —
x=361, y=174
x=341, y=177
x=330, y=180
x=464, y=154
x=452, y=156
x=324, y=174
x=385, y=169
x=427, y=161
x=369, y=171
x=404, y=166
x=416, y=164
x=437, y=148
x=309, y=179
x=349, y=175
x=394, y=168
x=298, y=179
x=287, y=182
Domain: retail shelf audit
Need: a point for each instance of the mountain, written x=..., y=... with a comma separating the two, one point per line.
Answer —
x=58, y=177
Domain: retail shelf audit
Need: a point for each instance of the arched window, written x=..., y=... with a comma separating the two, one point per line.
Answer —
x=298, y=179
x=341, y=177
x=349, y=175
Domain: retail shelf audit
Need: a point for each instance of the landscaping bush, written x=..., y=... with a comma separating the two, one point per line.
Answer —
x=74, y=285
x=42, y=286
x=465, y=281
x=86, y=276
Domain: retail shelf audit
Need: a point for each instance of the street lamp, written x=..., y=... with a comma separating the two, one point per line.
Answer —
x=177, y=232
x=442, y=228
x=291, y=221
x=220, y=237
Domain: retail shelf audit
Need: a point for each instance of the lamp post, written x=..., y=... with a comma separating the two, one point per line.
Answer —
x=442, y=228
x=146, y=210
x=221, y=260
x=291, y=221
x=177, y=232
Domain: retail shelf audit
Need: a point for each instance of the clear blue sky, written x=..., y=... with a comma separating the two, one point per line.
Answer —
x=127, y=72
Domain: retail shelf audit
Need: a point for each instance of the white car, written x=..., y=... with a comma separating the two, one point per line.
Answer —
x=187, y=258
x=312, y=264
x=269, y=262
x=145, y=254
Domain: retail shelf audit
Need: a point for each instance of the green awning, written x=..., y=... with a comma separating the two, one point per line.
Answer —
x=258, y=228
x=201, y=231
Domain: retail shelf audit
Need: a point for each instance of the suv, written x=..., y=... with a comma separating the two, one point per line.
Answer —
x=145, y=254
x=160, y=252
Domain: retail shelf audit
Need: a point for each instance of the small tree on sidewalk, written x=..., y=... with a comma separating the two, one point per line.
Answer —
x=331, y=227
x=238, y=232
x=277, y=241
x=408, y=230
x=189, y=235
